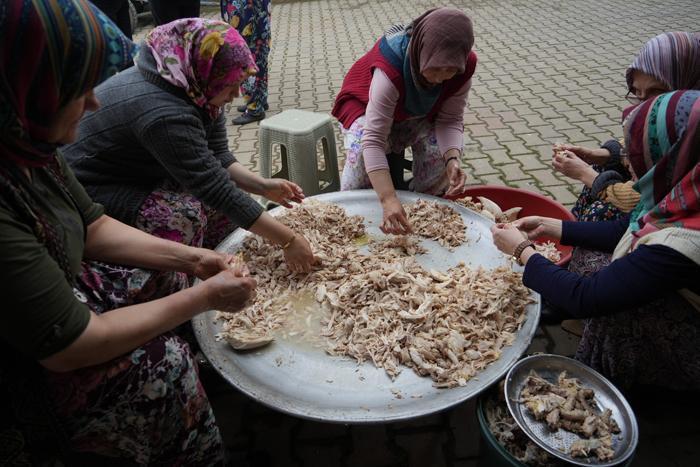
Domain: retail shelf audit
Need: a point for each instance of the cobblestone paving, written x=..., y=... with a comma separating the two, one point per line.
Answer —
x=549, y=71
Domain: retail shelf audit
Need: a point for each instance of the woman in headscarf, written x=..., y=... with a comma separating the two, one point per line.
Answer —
x=643, y=310
x=665, y=63
x=156, y=152
x=409, y=90
x=89, y=370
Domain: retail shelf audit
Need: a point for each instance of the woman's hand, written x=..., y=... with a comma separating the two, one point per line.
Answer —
x=394, y=219
x=282, y=191
x=456, y=177
x=507, y=237
x=210, y=263
x=592, y=156
x=298, y=255
x=538, y=226
x=228, y=291
x=569, y=164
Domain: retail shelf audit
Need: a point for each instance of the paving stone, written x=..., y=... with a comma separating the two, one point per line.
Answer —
x=499, y=157
x=532, y=139
x=505, y=134
x=563, y=194
x=476, y=131
x=494, y=123
x=530, y=161
x=480, y=166
x=493, y=179
x=520, y=127
x=545, y=177
x=488, y=142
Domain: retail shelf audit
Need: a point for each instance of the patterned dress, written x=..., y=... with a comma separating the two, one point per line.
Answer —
x=252, y=19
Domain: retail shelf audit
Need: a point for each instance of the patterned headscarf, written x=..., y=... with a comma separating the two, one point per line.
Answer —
x=672, y=58
x=202, y=57
x=662, y=137
x=51, y=52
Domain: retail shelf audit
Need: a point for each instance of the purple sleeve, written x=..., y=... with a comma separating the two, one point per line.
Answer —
x=646, y=274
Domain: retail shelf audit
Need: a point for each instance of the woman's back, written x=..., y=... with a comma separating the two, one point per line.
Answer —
x=146, y=131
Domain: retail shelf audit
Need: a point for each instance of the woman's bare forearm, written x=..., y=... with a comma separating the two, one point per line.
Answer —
x=120, y=331
x=114, y=242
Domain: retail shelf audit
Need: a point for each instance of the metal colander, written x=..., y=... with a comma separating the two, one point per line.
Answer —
x=558, y=443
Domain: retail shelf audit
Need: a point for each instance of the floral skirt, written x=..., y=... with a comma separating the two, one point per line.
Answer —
x=655, y=344
x=173, y=214
x=252, y=19
x=429, y=174
x=146, y=407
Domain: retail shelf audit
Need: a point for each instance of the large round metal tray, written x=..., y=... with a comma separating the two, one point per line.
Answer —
x=306, y=382
x=558, y=443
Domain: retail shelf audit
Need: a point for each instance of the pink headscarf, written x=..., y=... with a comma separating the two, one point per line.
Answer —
x=202, y=57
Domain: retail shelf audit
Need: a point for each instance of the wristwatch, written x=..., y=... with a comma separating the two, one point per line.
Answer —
x=519, y=250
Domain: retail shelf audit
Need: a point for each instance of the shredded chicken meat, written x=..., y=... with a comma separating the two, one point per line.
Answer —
x=567, y=404
x=384, y=307
x=436, y=221
x=549, y=250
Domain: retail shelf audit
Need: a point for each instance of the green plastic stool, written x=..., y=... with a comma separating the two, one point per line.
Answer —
x=297, y=132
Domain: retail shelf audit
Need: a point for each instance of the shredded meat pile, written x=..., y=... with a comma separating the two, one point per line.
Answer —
x=569, y=405
x=384, y=307
x=436, y=221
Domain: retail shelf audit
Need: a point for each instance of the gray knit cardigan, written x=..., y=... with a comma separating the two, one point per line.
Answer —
x=147, y=132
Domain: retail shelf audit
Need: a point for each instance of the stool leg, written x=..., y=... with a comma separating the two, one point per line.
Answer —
x=284, y=163
x=331, y=173
x=265, y=155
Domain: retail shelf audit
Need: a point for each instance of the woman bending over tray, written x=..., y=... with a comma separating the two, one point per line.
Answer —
x=410, y=90
x=156, y=152
x=90, y=372
x=642, y=311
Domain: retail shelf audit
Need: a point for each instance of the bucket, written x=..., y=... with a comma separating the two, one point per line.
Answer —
x=492, y=453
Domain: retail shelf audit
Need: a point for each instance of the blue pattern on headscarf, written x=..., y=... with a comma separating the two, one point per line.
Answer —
x=418, y=101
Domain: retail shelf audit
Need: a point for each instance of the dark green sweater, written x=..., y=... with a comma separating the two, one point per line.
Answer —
x=147, y=131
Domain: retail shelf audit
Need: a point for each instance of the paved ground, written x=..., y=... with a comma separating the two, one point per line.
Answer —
x=549, y=71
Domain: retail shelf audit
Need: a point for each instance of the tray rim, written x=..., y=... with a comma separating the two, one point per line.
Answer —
x=625, y=407
x=513, y=352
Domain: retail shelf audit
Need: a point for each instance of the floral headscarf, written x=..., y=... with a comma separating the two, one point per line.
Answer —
x=663, y=140
x=202, y=57
x=672, y=58
x=51, y=52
